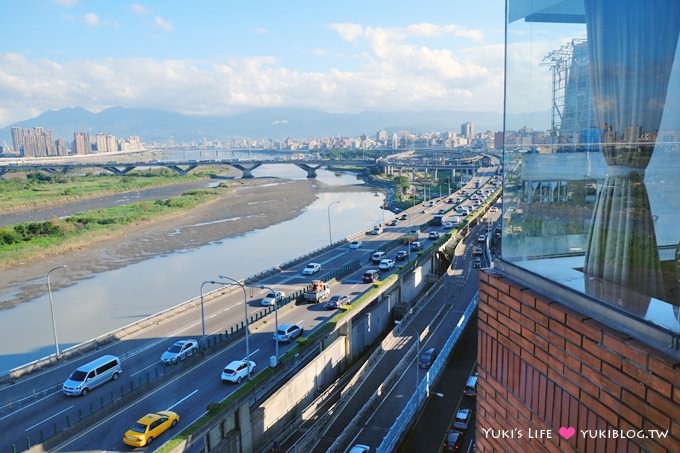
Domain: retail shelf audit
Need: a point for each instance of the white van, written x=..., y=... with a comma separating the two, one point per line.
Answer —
x=93, y=374
x=471, y=386
x=377, y=257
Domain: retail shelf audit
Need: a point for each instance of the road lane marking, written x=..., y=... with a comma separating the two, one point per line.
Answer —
x=143, y=369
x=50, y=417
x=29, y=405
x=178, y=402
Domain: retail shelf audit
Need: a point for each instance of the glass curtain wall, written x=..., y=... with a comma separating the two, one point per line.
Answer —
x=592, y=158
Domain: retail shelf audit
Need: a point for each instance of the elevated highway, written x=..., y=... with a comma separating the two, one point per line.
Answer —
x=33, y=410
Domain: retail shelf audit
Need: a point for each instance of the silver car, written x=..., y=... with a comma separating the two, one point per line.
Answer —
x=179, y=351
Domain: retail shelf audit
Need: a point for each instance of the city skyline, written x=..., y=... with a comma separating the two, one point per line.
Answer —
x=222, y=59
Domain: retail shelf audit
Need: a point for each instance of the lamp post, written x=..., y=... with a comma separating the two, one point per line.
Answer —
x=276, y=322
x=245, y=309
x=54, y=324
x=330, y=236
x=203, y=312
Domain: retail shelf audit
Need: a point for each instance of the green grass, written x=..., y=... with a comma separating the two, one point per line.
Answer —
x=38, y=190
x=30, y=240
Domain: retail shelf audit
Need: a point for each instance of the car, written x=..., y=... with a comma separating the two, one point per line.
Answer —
x=360, y=448
x=453, y=440
x=416, y=245
x=404, y=216
x=481, y=238
x=462, y=419
x=179, y=351
x=427, y=357
x=433, y=235
x=311, y=269
x=149, y=428
x=371, y=275
x=477, y=263
x=377, y=257
x=288, y=332
x=394, y=222
x=338, y=301
x=401, y=255
x=354, y=245
x=272, y=298
x=237, y=370
x=376, y=230
x=386, y=264
x=448, y=225
x=441, y=211
x=449, y=200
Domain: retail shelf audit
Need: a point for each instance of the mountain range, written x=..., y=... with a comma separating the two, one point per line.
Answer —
x=276, y=123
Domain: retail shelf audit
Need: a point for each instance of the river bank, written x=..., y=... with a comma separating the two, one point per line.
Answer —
x=249, y=205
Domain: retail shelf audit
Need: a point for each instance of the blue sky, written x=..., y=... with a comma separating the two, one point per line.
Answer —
x=221, y=57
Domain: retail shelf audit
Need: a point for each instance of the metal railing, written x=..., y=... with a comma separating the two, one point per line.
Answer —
x=403, y=422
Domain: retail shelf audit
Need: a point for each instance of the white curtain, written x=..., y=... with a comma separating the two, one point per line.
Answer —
x=632, y=45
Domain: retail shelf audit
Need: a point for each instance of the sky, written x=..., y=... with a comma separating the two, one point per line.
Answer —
x=222, y=57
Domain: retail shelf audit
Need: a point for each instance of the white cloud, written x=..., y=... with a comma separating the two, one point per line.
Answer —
x=163, y=24
x=260, y=30
x=67, y=3
x=393, y=73
x=91, y=19
x=140, y=9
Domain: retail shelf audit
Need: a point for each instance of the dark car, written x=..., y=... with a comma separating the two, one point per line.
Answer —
x=404, y=217
x=401, y=255
x=453, y=440
x=427, y=357
x=462, y=419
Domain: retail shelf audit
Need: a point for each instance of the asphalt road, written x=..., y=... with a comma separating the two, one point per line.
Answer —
x=34, y=408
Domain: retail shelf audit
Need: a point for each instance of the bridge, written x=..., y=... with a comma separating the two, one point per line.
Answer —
x=389, y=165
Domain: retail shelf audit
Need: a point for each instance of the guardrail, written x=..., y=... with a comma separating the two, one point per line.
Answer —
x=403, y=422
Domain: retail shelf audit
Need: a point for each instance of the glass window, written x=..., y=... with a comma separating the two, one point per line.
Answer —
x=591, y=195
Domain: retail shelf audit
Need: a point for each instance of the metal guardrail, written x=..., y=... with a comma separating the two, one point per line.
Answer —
x=407, y=415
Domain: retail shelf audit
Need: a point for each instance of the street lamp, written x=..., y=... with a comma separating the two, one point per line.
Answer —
x=54, y=324
x=330, y=237
x=276, y=321
x=245, y=309
x=203, y=312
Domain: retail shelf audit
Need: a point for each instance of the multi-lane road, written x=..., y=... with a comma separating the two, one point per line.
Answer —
x=34, y=408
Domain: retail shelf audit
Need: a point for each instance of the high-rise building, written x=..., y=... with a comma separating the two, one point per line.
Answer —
x=467, y=130
x=81, y=143
x=579, y=317
x=33, y=141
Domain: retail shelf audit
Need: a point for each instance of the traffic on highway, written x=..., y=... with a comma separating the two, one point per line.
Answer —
x=146, y=387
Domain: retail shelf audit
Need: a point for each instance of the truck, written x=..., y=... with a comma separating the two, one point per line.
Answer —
x=317, y=292
x=437, y=220
x=411, y=236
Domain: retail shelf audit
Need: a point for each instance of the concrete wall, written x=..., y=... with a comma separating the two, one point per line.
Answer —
x=285, y=405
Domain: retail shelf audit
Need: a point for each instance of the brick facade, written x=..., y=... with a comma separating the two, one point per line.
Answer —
x=543, y=366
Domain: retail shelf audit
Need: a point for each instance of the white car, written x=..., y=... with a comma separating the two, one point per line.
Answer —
x=237, y=370
x=272, y=298
x=386, y=264
x=179, y=351
x=355, y=245
x=312, y=268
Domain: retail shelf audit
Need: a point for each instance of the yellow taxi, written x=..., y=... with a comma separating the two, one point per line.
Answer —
x=149, y=428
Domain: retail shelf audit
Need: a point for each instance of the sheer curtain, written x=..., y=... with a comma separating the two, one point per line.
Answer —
x=632, y=45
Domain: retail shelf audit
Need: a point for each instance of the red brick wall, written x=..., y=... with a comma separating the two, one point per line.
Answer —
x=543, y=366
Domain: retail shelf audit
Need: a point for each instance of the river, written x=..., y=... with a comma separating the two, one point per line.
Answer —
x=112, y=299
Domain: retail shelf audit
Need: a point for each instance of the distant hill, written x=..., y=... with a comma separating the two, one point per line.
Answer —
x=276, y=123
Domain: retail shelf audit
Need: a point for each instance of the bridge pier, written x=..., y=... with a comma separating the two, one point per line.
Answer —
x=246, y=171
x=311, y=170
x=182, y=171
x=118, y=172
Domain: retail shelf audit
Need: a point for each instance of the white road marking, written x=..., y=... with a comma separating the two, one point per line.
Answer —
x=48, y=418
x=178, y=402
x=142, y=370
